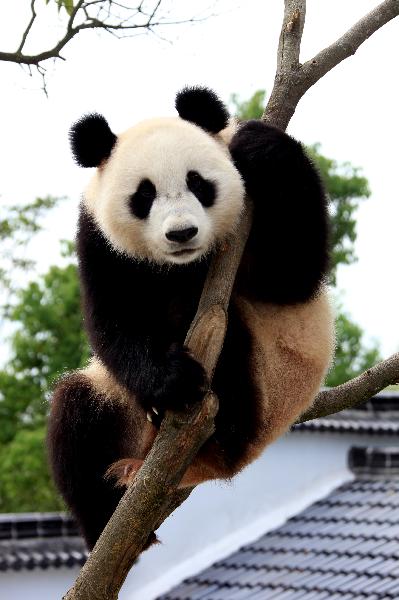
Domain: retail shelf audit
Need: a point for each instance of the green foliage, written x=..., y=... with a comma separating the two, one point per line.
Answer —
x=352, y=356
x=67, y=4
x=346, y=188
x=25, y=480
x=17, y=225
x=48, y=340
x=248, y=109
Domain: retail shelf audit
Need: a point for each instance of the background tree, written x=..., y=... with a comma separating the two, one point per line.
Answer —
x=17, y=225
x=47, y=339
x=352, y=355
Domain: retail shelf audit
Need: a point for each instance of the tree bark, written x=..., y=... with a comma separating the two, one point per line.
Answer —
x=293, y=79
x=353, y=392
x=87, y=15
x=152, y=496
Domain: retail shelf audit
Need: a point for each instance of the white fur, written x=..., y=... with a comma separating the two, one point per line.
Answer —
x=164, y=151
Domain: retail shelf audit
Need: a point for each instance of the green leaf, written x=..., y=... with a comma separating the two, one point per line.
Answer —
x=352, y=355
x=68, y=5
x=25, y=479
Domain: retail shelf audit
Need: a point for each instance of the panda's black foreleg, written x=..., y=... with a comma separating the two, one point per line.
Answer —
x=86, y=434
x=287, y=254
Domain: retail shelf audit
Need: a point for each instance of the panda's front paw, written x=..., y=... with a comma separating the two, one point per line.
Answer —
x=185, y=382
x=264, y=156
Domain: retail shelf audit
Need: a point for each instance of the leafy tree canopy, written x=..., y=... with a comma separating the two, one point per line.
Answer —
x=47, y=339
x=352, y=356
x=17, y=225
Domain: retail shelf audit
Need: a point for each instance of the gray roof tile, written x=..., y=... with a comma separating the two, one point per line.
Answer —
x=379, y=415
x=343, y=547
x=39, y=540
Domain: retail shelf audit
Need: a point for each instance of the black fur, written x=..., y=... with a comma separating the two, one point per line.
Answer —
x=201, y=106
x=86, y=435
x=141, y=201
x=203, y=189
x=91, y=140
x=287, y=254
x=238, y=421
x=137, y=316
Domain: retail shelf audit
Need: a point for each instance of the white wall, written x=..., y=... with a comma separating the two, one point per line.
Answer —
x=218, y=518
x=39, y=584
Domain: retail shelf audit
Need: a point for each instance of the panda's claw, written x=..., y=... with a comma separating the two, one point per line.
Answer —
x=155, y=410
x=149, y=417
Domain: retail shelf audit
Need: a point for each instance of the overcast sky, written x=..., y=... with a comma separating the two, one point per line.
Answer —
x=352, y=112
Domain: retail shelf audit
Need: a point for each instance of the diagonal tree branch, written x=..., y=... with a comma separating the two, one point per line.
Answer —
x=153, y=494
x=357, y=390
x=349, y=43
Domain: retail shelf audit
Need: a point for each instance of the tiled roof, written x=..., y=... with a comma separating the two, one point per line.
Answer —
x=379, y=415
x=32, y=540
x=344, y=547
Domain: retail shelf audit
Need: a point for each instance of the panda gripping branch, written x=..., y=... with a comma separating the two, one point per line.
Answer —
x=165, y=194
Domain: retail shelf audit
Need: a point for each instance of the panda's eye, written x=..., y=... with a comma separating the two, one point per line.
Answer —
x=147, y=189
x=141, y=201
x=203, y=189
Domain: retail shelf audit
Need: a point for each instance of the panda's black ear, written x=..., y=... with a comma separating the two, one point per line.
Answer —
x=91, y=140
x=201, y=106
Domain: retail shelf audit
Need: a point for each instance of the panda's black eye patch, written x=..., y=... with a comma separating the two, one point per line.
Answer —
x=203, y=189
x=141, y=201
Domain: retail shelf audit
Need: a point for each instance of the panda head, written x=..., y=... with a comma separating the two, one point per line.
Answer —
x=166, y=190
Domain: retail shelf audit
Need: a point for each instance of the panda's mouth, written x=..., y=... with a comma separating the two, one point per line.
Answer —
x=185, y=252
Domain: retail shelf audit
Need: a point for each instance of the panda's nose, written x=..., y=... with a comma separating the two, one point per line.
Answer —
x=182, y=235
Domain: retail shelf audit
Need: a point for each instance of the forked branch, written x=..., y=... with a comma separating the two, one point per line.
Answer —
x=153, y=494
x=293, y=79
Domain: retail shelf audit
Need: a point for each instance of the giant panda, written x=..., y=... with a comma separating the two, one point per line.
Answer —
x=165, y=195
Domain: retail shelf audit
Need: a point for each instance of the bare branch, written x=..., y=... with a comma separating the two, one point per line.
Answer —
x=88, y=21
x=290, y=36
x=80, y=4
x=286, y=92
x=355, y=391
x=347, y=45
x=27, y=30
x=292, y=79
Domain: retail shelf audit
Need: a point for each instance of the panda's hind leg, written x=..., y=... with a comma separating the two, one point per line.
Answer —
x=125, y=470
x=89, y=430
